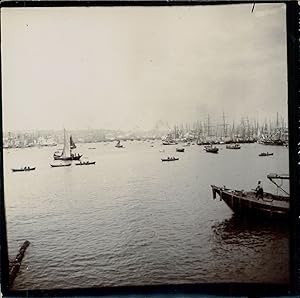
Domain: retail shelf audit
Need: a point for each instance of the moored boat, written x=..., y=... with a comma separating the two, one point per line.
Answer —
x=179, y=149
x=170, y=159
x=169, y=142
x=60, y=165
x=265, y=154
x=248, y=202
x=211, y=149
x=233, y=146
x=85, y=163
x=23, y=169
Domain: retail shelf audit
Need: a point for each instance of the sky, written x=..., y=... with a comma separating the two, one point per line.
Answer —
x=129, y=67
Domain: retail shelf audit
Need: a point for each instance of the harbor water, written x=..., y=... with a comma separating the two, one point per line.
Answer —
x=131, y=219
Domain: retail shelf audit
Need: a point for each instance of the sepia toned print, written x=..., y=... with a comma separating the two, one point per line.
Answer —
x=145, y=145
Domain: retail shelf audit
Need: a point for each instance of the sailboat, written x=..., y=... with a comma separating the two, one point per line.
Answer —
x=72, y=144
x=67, y=150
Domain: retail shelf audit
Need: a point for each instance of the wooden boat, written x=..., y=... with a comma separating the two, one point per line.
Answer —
x=24, y=169
x=272, y=142
x=92, y=148
x=211, y=149
x=85, y=163
x=265, y=154
x=186, y=145
x=233, y=146
x=246, y=202
x=71, y=157
x=170, y=159
x=179, y=149
x=67, y=150
x=169, y=142
x=60, y=165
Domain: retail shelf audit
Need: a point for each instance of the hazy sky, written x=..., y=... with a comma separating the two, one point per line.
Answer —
x=128, y=67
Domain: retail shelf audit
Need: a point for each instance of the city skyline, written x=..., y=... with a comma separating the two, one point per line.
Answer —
x=115, y=68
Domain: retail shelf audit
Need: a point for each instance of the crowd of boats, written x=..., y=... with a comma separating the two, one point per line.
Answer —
x=240, y=201
x=65, y=156
x=255, y=202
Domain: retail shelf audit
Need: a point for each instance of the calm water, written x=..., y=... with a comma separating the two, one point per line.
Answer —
x=133, y=220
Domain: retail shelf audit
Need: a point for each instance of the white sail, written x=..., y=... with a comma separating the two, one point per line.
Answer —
x=67, y=150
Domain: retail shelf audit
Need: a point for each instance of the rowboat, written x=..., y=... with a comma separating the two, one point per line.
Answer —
x=179, y=149
x=265, y=154
x=211, y=149
x=233, y=146
x=24, y=169
x=170, y=159
x=85, y=163
x=60, y=165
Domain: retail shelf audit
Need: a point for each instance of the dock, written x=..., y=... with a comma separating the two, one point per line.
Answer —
x=14, y=266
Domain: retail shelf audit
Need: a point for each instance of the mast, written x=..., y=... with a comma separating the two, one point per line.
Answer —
x=67, y=148
x=208, y=126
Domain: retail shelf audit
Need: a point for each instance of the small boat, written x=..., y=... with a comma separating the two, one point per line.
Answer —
x=233, y=146
x=24, y=169
x=169, y=142
x=179, y=149
x=60, y=165
x=85, y=163
x=92, y=148
x=265, y=154
x=186, y=145
x=211, y=149
x=67, y=154
x=247, y=202
x=170, y=159
x=119, y=145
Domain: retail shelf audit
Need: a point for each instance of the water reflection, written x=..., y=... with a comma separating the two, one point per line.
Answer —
x=239, y=228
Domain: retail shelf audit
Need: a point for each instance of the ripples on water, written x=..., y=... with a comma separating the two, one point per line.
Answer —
x=133, y=220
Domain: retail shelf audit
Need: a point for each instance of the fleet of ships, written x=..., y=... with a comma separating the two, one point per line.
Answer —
x=200, y=132
x=266, y=204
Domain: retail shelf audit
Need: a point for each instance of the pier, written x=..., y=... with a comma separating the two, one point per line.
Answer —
x=14, y=266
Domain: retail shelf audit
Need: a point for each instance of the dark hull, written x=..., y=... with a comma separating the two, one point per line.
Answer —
x=273, y=143
x=165, y=159
x=271, y=206
x=85, y=163
x=179, y=150
x=265, y=154
x=212, y=150
x=23, y=170
x=77, y=157
x=233, y=147
x=59, y=166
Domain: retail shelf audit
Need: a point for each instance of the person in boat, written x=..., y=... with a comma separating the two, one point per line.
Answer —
x=259, y=191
